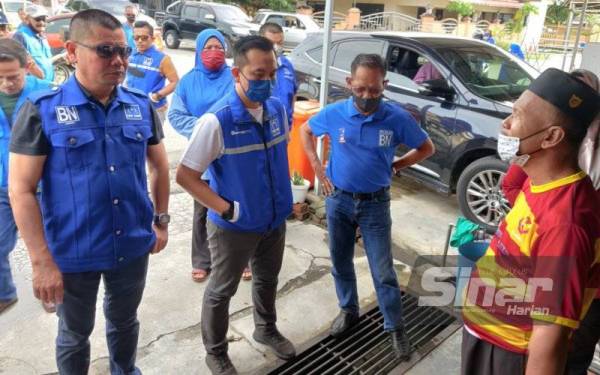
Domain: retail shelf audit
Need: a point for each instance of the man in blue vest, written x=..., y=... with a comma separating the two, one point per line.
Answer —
x=285, y=85
x=365, y=132
x=88, y=142
x=149, y=69
x=242, y=141
x=31, y=36
x=15, y=86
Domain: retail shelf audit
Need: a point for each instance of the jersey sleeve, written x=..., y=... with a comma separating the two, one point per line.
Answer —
x=318, y=123
x=564, y=256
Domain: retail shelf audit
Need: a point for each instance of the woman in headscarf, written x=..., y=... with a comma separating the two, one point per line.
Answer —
x=196, y=92
x=585, y=338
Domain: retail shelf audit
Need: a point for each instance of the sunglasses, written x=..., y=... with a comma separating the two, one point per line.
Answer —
x=143, y=38
x=40, y=19
x=108, y=51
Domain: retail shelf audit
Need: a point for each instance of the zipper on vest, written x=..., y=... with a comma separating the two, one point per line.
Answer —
x=264, y=139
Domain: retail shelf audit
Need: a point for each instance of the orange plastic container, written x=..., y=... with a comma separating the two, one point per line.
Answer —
x=297, y=159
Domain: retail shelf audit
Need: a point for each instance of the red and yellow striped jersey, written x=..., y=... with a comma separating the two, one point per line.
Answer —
x=542, y=264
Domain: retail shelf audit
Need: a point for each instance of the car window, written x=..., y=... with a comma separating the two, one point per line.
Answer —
x=191, y=12
x=174, y=8
x=259, y=17
x=292, y=22
x=316, y=54
x=202, y=12
x=230, y=13
x=58, y=25
x=410, y=69
x=276, y=19
x=83, y=5
x=487, y=72
x=349, y=49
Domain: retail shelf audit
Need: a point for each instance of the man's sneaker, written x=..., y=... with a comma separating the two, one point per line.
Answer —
x=401, y=344
x=220, y=364
x=271, y=337
x=342, y=323
x=5, y=304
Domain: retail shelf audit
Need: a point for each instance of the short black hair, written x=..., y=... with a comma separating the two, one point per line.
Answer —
x=11, y=50
x=369, y=60
x=82, y=23
x=247, y=43
x=270, y=27
x=140, y=24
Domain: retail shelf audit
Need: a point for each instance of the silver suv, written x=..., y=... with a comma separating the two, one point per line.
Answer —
x=295, y=26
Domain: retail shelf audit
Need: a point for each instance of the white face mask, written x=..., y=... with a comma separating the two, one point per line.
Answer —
x=508, y=148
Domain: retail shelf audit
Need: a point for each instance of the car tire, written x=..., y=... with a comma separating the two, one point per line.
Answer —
x=172, y=40
x=479, y=193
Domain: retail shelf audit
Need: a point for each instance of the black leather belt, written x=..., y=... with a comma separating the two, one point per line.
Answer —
x=366, y=196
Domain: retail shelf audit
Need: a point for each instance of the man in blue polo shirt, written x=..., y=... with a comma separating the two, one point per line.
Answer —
x=32, y=36
x=88, y=142
x=242, y=141
x=364, y=133
x=285, y=83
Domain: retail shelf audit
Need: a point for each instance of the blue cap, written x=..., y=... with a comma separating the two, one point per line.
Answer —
x=3, y=19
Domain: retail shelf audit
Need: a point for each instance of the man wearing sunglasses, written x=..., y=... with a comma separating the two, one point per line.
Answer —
x=88, y=142
x=149, y=69
x=31, y=36
x=365, y=132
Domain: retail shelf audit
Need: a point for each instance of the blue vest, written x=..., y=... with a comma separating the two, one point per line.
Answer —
x=253, y=169
x=40, y=51
x=96, y=209
x=285, y=86
x=32, y=84
x=148, y=64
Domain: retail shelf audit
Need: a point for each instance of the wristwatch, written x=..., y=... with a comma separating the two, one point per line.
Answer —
x=161, y=219
x=228, y=214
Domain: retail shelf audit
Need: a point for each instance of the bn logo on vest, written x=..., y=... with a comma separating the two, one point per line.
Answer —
x=66, y=114
x=133, y=112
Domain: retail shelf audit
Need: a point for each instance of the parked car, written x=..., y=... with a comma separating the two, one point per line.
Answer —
x=185, y=19
x=462, y=109
x=295, y=26
x=114, y=7
x=11, y=7
x=57, y=29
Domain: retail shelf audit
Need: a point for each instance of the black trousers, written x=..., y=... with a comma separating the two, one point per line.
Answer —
x=482, y=358
x=583, y=343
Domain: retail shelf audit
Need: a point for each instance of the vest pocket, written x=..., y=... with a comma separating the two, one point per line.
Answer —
x=73, y=143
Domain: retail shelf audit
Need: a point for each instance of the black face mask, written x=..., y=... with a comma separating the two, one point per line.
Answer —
x=367, y=105
x=131, y=19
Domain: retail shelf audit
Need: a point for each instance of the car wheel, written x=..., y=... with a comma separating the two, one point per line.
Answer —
x=172, y=39
x=480, y=195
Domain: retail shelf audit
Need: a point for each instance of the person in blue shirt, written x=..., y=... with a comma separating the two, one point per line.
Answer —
x=242, y=141
x=89, y=143
x=285, y=85
x=149, y=69
x=364, y=131
x=15, y=87
x=131, y=12
x=208, y=82
x=31, y=36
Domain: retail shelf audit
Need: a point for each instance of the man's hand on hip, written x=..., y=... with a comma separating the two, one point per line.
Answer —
x=325, y=182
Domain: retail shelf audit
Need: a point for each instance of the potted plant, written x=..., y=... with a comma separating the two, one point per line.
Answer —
x=299, y=187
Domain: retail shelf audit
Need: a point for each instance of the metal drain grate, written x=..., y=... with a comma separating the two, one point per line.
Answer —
x=367, y=349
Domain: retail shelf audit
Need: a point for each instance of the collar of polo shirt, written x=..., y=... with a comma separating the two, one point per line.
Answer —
x=353, y=111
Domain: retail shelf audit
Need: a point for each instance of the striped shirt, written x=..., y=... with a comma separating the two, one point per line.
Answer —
x=542, y=264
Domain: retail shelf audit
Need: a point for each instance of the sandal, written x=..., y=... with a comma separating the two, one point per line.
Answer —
x=247, y=274
x=199, y=275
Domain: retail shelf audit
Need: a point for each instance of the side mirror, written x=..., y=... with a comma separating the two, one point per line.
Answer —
x=210, y=17
x=437, y=87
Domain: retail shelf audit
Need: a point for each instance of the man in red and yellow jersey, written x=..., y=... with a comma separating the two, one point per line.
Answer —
x=542, y=269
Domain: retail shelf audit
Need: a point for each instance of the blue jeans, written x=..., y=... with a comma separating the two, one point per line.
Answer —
x=8, y=240
x=344, y=215
x=124, y=287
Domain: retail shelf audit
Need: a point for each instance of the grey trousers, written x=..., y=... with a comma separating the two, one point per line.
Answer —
x=231, y=252
x=200, y=252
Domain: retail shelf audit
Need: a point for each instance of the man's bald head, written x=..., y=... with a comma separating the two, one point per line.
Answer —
x=84, y=22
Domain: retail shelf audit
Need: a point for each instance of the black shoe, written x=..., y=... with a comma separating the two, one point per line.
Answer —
x=401, y=344
x=271, y=337
x=220, y=364
x=342, y=323
x=6, y=304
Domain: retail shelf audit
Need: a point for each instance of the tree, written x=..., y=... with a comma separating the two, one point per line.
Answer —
x=251, y=6
x=461, y=7
x=518, y=22
x=557, y=13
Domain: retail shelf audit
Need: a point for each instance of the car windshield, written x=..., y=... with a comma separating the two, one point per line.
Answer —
x=231, y=13
x=13, y=7
x=488, y=72
x=258, y=18
x=112, y=7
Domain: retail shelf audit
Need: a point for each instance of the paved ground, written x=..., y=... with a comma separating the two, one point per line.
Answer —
x=170, y=312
